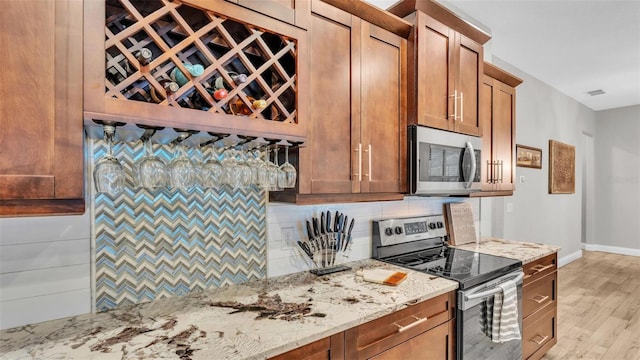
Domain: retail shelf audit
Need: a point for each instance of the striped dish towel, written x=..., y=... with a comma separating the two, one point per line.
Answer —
x=499, y=315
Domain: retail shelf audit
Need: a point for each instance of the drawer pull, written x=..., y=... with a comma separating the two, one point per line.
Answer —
x=538, y=269
x=543, y=339
x=415, y=323
x=539, y=298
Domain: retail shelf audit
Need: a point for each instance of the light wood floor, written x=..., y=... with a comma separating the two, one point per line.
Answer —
x=598, y=308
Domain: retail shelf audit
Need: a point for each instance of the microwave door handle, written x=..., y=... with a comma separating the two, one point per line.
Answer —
x=472, y=173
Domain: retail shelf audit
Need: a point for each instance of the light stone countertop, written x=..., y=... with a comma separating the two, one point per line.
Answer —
x=523, y=251
x=274, y=316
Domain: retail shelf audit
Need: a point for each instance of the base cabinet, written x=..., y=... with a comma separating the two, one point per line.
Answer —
x=425, y=330
x=539, y=307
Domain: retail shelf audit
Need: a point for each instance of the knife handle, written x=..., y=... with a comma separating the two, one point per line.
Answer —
x=316, y=233
x=322, y=223
x=309, y=232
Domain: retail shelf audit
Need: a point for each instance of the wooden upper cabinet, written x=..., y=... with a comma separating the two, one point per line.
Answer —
x=356, y=148
x=41, y=154
x=498, y=121
x=196, y=47
x=294, y=12
x=383, y=111
x=445, y=68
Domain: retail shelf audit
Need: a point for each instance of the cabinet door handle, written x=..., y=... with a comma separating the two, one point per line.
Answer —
x=415, y=323
x=455, y=104
x=542, y=339
x=461, y=107
x=359, y=151
x=540, y=298
x=501, y=171
x=489, y=172
x=370, y=150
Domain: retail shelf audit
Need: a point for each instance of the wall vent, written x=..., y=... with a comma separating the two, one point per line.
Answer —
x=596, y=92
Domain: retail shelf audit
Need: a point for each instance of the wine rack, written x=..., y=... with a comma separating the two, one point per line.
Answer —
x=171, y=54
x=209, y=65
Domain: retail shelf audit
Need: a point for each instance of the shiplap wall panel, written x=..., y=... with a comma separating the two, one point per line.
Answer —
x=45, y=268
x=42, y=308
x=44, y=229
x=43, y=255
x=24, y=284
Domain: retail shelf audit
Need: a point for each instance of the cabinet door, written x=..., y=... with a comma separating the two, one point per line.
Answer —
x=469, y=70
x=41, y=157
x=435, y=81
x=382, y=110
x=294, y=12
x=503, y=134
x=327, y=161
x=329, y=348
x=436, y=343
x=486, y=118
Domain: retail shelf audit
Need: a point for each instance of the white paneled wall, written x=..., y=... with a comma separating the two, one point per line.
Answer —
x=286, y=258
x=45, y=268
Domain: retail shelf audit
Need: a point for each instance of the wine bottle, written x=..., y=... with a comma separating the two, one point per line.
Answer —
x=144, y=56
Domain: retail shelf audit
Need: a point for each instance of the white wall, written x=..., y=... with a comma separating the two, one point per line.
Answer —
x=617, y=153
x=285, y=258
x=532, y=214
x=45, y=270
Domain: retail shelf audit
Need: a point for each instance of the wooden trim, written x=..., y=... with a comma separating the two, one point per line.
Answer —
x=501, y=75
x=374, y=15
x=13, y=208
x=311, y=199
x=27, y=186
x=442, y=14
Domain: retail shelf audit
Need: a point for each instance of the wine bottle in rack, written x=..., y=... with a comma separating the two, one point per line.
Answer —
x=221, y=88
x=144, y=56
x=238, y=107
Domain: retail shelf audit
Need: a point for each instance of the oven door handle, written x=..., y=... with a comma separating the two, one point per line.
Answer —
x=491, y=291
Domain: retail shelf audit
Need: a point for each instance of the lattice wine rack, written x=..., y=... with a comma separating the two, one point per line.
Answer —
x=173, y=54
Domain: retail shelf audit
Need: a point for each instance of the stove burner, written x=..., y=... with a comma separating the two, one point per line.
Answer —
x=448, y=269
x=410, y=259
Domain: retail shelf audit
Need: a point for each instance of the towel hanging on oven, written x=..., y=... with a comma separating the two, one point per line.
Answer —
x=499, y=320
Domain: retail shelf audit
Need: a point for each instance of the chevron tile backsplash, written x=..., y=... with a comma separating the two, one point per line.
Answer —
x=160, y=243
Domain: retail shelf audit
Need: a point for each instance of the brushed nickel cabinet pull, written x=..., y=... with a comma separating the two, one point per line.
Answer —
x=540, y=298
x=543, y=339
x=359, y=151
x=455, y=104
x=461, y=107
x=415, y=323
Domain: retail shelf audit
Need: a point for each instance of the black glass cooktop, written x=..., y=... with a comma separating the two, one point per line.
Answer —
x=469, y=268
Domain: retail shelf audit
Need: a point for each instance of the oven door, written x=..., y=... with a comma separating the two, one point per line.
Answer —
x=471, y=342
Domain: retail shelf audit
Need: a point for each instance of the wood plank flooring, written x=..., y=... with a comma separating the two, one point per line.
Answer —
x=598, y=308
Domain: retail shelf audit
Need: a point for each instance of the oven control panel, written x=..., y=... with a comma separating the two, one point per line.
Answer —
x=398, y=231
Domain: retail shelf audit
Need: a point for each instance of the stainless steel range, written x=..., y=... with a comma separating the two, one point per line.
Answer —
x=419, y=243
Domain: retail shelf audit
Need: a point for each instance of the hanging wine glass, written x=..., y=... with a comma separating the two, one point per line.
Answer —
x=288, y=172
x=213, y=171
x=152, y=172
x=273, y=171
x=182, y=173
x=109, y=175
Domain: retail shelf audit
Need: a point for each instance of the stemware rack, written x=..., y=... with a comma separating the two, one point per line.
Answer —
x=129, y=133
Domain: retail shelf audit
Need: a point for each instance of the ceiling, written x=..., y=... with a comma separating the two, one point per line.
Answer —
x=575, y=46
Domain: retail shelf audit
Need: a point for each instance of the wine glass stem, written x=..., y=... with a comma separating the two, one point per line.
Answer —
x=148, y=147
x=109, y=146
x=286, y=154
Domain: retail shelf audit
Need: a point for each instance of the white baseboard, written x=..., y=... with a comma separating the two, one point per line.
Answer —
x=569, y=258
x=611, y=249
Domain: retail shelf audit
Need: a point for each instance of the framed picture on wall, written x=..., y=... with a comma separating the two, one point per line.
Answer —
x=562, y=168
x=527, y=156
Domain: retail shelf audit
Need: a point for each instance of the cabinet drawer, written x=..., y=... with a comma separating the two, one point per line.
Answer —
x=539, y=333
x=538, y=294
x=386, y=332
x=540, y=268
x=436, y=343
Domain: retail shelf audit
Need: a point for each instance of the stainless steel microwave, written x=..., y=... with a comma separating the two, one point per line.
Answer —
x=442, y=163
